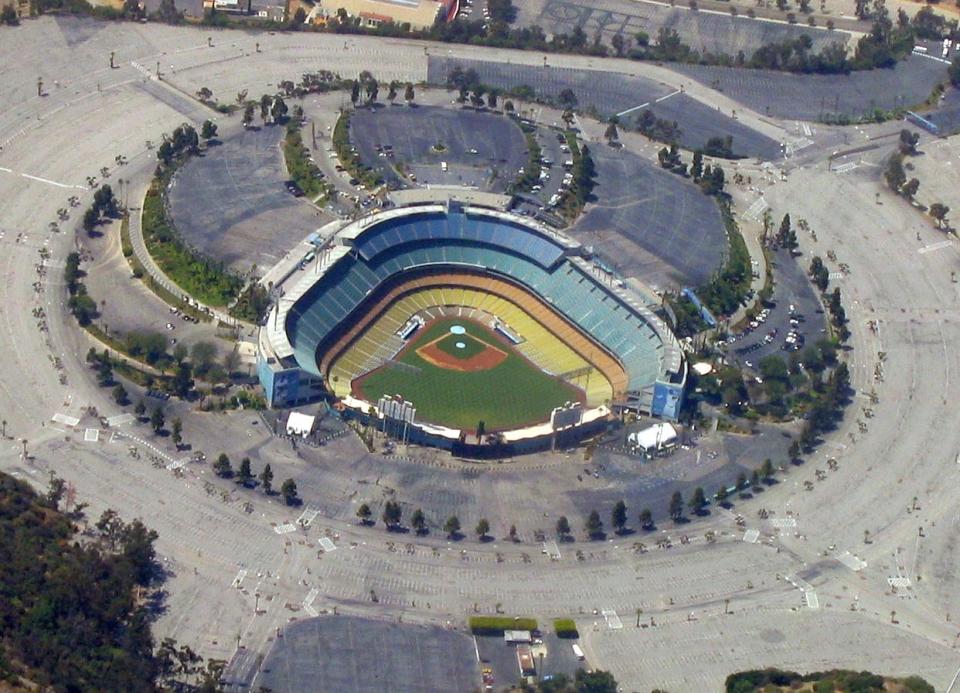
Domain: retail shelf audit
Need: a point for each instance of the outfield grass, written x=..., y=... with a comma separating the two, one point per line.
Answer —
x=512, y=394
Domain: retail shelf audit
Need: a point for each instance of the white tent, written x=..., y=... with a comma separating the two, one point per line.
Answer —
x=299, y=424
x=656, y=437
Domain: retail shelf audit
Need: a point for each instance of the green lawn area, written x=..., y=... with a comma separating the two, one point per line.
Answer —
x=510, y=395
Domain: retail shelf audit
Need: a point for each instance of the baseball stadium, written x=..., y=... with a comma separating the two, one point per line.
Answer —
x=469, y=325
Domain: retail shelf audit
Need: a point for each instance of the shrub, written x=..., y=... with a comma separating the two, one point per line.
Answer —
x=566, y=628
x=495, y=625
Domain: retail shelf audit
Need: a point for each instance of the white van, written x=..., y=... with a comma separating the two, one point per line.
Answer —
x=578, y=652
x=443, y=166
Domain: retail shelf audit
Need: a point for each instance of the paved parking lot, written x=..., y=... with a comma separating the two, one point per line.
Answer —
x=806, y=320
x=231, y=204
x=650, y=223
x=698, y=123
x=356, y=655
x=703, y=31
x=811, y=97
x=609, y=94
x=481, y=149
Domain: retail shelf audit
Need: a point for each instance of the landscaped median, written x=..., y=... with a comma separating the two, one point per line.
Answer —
x=496, y=625
x=206, y=281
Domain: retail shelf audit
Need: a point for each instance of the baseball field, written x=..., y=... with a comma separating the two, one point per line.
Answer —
x=458, y=373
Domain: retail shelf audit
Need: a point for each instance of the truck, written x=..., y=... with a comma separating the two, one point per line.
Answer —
x=525, y=661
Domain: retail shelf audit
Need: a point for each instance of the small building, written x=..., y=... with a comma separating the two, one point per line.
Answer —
x=419, y=14
x=517, y=636
x=661, y=436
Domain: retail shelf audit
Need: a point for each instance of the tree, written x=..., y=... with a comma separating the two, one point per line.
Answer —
x=794, y=450
x=567, y=99
x=452, y=526
x=90, y=219
x=177, y=432
x=167, y=12
x=222, y=466
x=364, y=513
x=676, y=506
x=245, y=474
x=954, y=71
x=391, y=515
x=611, y=134
x=722, y=495
x=105, y=201
x=910, y=188
x=696, y=167
x=617, y=41
x=204, y=94
x=209, y=130
x=618, y=518
x=482, y=528
x=392, y=91
x=120, y=395
x=299, y=17
x=563, y=528
x=594, y=525
x=157, y=420
x=266, y=479
x=646, y=518
x=203, y=355
x=419, y=522
x=182, y=382
x=265, y=102
x=8, y=16
x=279, y=110
x=939, y=211
x=491, y=99
x=247, y=115
x=288, y=489
x=140, y=409
x=354, y=92
x=894, y=174
x=408, y=94
x=699, y=500
x=513, y=534
x=596, y=681
x=908, y=142
x=766, y=469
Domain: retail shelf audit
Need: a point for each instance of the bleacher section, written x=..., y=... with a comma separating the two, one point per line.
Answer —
x=439, y=226
x=485, y=261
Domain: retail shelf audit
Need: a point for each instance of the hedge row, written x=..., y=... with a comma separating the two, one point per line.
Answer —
x=495, y=625
x=566, y=628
